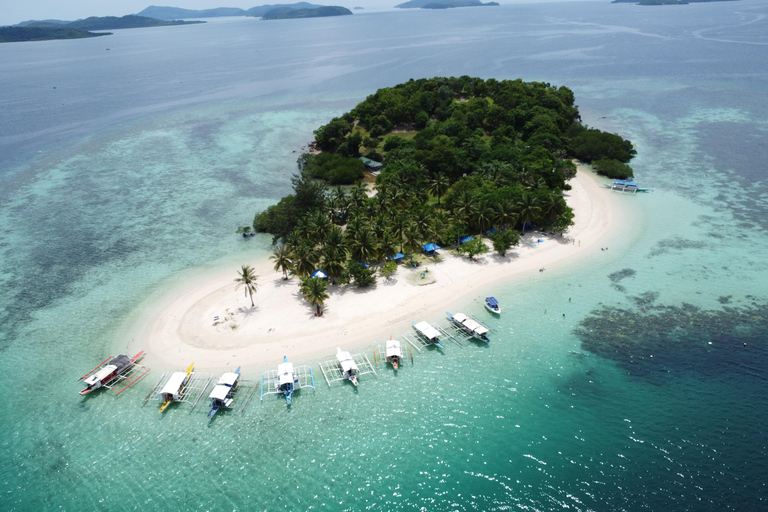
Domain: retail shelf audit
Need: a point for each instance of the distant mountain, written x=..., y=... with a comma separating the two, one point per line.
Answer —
x=443, y=4
x=176, y=13
x=19, y=34
x=261, y=10
x=666, y=2
x=130, y=21
x=286, y=13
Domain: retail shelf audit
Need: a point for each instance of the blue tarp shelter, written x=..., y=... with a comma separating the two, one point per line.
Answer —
x=396, y=257
x=430, y=247
x=321, y=274
x=465, y=239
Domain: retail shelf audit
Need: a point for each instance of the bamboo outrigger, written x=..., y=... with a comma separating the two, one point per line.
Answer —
x=287, y=379
x=346, y=367
x=113, y=372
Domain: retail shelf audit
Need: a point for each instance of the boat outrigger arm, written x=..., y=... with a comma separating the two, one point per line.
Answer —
x=114, y=372
x=287, y=379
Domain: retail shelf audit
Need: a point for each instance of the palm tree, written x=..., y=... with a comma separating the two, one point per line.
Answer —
x=528, y=210
x=320, y=225
x=316, y=292
x=304, y=258
x=552, y=206
x=334, y=259
x=281, y=257
x=412, y=239
x=504, y=215
x=387, y=245
x=363, y=246
x=247, y=278
x=482, y=216
x=438, y=185
x=335, y=240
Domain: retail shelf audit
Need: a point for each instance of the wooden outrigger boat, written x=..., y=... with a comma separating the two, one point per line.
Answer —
x=287, y=379
x=470, y=326
x=114, y=371
x=346, y=367
x=222, y=393
x=428, y=333
x=174, y=389
x=349, y=369
x=394, y=354
x=625, y=186
x=492, y=305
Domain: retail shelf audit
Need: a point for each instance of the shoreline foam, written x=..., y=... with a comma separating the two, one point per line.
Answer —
x=209, y=322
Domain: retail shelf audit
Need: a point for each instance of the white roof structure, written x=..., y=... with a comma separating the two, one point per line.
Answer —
x=285, y=373
x=224, y=386
x=346, y=361
x=100, y=375
x=393, y=348
x=174, y=383
x=471, y=324
x=427, y=330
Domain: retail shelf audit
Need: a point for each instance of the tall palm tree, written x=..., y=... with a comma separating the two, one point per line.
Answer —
x=504, y=215
x=362, y=246
x=438, y=185
x=320, y=226
x=482, y=216
x=334, y=260
x=316, y=292
x=387, y=245
x=528, y=210
x=552, y=206
x=282, y=259
x=412, y=239
x=335, y=240
x=304, y=258
x=247, y=277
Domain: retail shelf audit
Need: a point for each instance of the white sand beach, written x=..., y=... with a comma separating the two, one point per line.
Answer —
x=213, y=324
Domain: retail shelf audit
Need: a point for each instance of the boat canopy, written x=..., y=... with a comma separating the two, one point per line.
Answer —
x=228, y=379
x=220, y=392
x=174, y=383
x=121, y=362
x=427, y=330
x=471, y=324
x=346, y=361
x=491, y=301
x=393, y=348
x=626, y=183
x=285, y=373
x=100, y=375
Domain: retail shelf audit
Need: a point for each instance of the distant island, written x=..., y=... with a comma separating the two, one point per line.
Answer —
x=21, y=34
x=175, y=13
x=443, y=4
x=666, y=2
x=287, y=13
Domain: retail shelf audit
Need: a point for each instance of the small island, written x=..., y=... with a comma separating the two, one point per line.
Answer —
x=288, y=13
x=57, y=29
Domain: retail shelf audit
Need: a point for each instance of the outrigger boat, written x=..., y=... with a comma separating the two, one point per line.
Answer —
x=287, y=379
x=221, y=396
x=394, y=354
x=174, y=389
x=428, y=333
x=470, y=326
x=112, y=371
x=625, y=186
x=492, y=305
x=349, y=369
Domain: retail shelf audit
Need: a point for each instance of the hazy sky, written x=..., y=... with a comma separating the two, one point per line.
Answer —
x=15, y=11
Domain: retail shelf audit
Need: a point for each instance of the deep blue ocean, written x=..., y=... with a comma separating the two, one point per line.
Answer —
x=128, y=161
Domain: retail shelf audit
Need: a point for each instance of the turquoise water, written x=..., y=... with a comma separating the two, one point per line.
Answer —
x=151, y=154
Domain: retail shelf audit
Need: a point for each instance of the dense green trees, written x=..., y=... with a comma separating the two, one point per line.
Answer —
x=460, y=156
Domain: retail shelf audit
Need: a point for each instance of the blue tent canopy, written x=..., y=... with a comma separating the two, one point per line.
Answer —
x=365, y=264
x=465, y=239
x=320, y=273
x=430, y=247
x=397, y=256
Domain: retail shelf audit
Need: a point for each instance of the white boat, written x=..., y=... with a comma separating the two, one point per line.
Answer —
x=349, y=369
x=114, y=371
x=428, y=333
x=287, y=379
x=174, y=388
x=394, y=354
x=625, y=186
x=221, y=396
x=470, y=326
x=492, y=305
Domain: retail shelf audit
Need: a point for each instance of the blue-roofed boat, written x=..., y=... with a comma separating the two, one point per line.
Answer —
x=625, y=186
x=492, y=305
